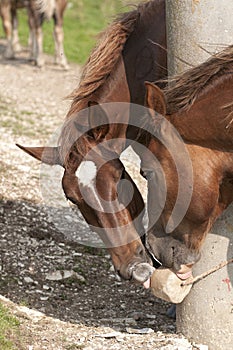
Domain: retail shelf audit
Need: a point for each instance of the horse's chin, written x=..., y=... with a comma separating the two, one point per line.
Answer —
x=147, y=284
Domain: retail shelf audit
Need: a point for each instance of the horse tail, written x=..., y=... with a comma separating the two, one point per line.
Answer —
x=46, y=7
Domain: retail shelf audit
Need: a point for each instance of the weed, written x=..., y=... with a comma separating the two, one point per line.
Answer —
x=9, y=329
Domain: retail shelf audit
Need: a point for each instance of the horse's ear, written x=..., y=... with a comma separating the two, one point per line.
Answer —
x=98, y=121
x=155, y=98
x=48, y=155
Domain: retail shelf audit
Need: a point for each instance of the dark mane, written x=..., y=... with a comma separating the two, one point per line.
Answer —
x=103, y=58
x=105, y=55
x=183, y=89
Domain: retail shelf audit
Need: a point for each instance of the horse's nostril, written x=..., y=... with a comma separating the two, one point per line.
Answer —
x=140, y=251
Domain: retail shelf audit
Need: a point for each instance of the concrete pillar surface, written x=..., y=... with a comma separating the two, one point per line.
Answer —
x=197, y=23
x=206, y=314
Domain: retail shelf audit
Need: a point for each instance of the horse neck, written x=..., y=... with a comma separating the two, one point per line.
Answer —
x=209, y=121
x=115, y=88
x=144, y=53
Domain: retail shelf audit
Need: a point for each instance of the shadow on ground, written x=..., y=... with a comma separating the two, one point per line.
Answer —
x=32, y=248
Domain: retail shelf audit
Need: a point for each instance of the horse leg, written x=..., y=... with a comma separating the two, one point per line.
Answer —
x=32, y=36
x=15, y=36
x=39, y=46
x=5, y=12
x=60, y=57
x=35, y=21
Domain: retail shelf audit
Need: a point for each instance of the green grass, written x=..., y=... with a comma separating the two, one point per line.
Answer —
x=9, y=329
x=83, y=21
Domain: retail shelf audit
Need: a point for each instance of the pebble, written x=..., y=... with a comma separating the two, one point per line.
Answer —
x=60, y=275
x=139, y=331
x=45, y=287
x=28, y=280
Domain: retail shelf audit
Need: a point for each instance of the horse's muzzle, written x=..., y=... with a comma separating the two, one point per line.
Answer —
x=142, y=272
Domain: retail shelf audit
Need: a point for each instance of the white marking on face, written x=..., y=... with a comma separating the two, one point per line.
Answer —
x=86, y=173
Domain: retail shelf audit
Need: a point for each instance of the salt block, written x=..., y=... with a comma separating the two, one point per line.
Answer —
x=167, y=286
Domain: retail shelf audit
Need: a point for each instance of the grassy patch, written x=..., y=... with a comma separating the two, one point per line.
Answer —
x=9, y=330
x=83, y=20
x=23, y=123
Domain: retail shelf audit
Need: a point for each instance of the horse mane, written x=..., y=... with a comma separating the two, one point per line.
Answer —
x=183, y=89
x=103, y=58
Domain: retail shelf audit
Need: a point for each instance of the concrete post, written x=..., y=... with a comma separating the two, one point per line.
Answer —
x=206, y=314
x=195, y=23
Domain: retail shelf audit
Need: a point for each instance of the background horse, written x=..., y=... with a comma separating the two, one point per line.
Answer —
x=8, y=12
x=38, y=11
x=131, y=51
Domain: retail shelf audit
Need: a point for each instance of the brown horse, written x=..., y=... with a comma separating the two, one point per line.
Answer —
x=199, y=104
x=38, y=11
x=132, y=50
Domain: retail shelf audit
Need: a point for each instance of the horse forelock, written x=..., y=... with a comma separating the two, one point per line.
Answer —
x=184, y=89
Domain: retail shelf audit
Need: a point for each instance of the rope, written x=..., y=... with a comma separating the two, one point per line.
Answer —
x=207, y=273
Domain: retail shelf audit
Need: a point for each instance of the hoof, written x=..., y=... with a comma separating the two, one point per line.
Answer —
x=9, y=53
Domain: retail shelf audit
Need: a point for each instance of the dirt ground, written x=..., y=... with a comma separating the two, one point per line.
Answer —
x=66, y=295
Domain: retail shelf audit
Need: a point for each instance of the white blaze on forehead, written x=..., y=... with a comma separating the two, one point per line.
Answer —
x=86, y=173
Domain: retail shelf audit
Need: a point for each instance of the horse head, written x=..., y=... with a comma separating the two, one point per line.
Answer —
x=114, y=211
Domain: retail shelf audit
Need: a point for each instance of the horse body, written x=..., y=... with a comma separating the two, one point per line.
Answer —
x=38, y=10
x=200, y=103
x=108, y=77
x=218, y=133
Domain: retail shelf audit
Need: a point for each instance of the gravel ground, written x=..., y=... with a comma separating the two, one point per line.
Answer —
x=65, y=294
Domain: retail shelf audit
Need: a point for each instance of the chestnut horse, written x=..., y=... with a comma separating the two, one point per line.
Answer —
x=38, y=11
x=132, y=50
x=199, y=103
